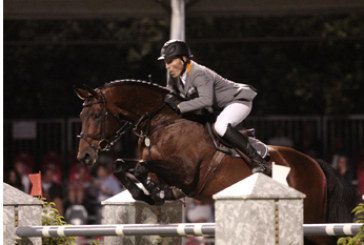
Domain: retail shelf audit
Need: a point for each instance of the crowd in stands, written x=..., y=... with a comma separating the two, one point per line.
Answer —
x=78, y=193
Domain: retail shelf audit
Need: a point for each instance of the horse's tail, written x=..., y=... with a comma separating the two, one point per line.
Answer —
x=341, y=196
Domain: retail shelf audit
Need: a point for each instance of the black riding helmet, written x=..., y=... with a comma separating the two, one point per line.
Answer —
x=175, y=48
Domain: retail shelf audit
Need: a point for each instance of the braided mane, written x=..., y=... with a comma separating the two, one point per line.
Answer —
x=133, y=82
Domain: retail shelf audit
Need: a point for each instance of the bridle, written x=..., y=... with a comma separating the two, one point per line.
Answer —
x=103, y=143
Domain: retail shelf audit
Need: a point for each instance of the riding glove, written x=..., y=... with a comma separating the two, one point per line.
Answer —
x=173, y=102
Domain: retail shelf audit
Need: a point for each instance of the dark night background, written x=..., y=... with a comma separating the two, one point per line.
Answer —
x=306, y=65
x=305, y=58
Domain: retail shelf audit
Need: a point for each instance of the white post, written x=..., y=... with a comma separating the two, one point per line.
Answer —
x=178, y=20
x=259, y=210
x=123, y=209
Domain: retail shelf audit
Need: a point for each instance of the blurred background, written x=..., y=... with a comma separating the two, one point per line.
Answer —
x=305, y=58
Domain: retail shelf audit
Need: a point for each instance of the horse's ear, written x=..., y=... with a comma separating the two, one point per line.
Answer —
x=85, y=92
x=91, y=91
x=81, y=93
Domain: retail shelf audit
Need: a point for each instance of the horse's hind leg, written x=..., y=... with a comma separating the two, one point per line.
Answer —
x=158, y=193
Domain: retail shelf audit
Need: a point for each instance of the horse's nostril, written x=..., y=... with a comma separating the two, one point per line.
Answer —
x=87, y=159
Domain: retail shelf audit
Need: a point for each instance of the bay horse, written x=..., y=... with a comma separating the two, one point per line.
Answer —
x=177, y=156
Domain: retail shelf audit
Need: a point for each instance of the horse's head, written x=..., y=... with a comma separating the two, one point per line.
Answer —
x=99, y=125
x=111, y=110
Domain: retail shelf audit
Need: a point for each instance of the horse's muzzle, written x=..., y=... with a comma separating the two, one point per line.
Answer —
x=87, y=158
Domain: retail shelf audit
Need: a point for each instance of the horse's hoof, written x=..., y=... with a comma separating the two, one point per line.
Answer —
x=258, y=169
x=159, y=198
x=261, y=169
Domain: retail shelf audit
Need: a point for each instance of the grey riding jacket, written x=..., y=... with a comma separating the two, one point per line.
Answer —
x=204, y=88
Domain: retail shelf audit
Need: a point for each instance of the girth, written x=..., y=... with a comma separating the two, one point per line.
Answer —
x=208, y=171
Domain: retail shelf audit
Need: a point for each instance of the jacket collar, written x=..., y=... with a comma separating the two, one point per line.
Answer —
x=188, y=77
x=188, y=69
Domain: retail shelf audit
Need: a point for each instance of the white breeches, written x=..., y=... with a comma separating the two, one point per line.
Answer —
x=234, y=114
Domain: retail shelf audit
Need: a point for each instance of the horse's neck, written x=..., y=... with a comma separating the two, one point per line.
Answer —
x=164, y=117
x=145, y=104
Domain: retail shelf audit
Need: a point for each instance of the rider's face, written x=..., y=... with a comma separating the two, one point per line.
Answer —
x=174, y=66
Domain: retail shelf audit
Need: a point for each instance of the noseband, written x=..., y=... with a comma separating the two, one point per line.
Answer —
x=104, y=144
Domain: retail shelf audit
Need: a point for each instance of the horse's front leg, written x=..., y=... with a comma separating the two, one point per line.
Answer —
x=125, y=165
x=129, y=182
x=158, y=194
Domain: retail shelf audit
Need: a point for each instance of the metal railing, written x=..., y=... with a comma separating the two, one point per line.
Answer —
x=35, y=137
x=183, y=229
x=40, y=136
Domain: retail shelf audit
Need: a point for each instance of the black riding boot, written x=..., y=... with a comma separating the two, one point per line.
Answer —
x=234, y=137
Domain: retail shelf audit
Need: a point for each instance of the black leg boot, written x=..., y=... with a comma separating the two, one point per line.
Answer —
x=234, y=137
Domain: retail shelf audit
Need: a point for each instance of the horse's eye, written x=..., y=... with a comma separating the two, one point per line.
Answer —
x=96, y=115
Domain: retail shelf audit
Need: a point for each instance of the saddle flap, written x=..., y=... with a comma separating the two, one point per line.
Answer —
x=260, y=147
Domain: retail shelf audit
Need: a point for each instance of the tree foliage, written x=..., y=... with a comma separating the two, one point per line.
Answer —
x=359, y=237
x=51, y=216
x=300, y=65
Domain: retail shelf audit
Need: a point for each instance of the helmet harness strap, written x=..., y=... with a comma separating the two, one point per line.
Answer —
x=185, y=63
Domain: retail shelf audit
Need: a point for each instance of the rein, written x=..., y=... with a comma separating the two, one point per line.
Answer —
x=146, y=132
x=147, y=116
x=103, y=143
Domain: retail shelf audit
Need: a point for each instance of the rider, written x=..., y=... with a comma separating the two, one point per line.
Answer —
x=203, y=88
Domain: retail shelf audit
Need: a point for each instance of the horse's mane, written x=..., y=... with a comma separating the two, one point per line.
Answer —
x=123, y=82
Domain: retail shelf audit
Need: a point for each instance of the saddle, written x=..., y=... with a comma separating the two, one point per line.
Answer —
x=223, y=146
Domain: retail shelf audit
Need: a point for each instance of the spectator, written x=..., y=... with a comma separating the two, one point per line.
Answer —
x=338, y=148
x=53, y=160
x=77, y=207
x=280, y=139
x=79, y=183
x=27, y=159
x=105, y=185
x=52, y=191
x=341, y=163
x=13, y=178
x=198, y=212
x=57, y=171
x=21, y=170
x=76, y=215
x=310, y=144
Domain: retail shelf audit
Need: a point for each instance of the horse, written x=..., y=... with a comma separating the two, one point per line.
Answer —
x=178, y=157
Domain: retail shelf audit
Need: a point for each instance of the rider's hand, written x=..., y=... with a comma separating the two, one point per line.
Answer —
x=173, y=102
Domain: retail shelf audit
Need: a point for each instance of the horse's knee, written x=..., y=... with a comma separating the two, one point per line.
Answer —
x=120, y=165
x=141, y=171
